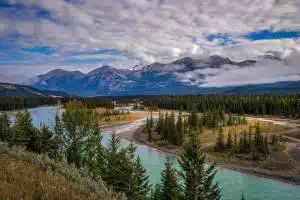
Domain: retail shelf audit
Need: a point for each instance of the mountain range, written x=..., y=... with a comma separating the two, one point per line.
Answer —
x=156, y=79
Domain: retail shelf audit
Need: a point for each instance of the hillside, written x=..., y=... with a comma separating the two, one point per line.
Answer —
x=7, y=89
x=26, y=175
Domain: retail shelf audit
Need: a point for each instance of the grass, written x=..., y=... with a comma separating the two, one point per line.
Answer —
x=25, y=175
x=209, y=136
x=121, y=118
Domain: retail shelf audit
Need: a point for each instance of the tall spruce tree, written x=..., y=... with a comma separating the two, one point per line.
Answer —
x=149, y=132
x=23, y=129
x=229, y=143
x=179, y=129
x=160, y=124
x=172, y=129
x=169, y=188
x=115, y=173
x=138, y=184
x=151, y=122
x=166, y=127
x=197, y=180
x=220, y=143
x=5, y=129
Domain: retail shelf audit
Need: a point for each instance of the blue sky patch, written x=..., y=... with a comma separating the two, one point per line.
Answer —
x=224, y=37
x=271, y=35
x=42, y=50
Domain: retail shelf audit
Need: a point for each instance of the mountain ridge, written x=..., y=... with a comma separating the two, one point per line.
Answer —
x=156, y=78
x=16, y=90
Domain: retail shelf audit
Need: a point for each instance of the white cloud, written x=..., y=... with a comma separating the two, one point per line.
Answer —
x=264, y=71
x=154, y=31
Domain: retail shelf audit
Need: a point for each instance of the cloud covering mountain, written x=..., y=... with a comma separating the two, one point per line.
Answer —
x=213, y=74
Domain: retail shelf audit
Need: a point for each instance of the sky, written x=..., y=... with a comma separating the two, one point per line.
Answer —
x=40, y=35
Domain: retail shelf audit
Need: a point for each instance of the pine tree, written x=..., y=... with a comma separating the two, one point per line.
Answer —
x=149, y=132
x=197, y=180
x=220, y=144
x=193, y=119
x=235, y=139
x=116, y=165
x=23, y=129
x=230, y=120
x=229, y=143
x=179, y=129
x=147, y=123
x=169, y=188
x=172, y=129
x=155, y=193
x=160, y=124
x=5, y=129
x=241, y=146
x=166, y=127
x=151, y=122
x=139, y=187
x=243, y=197
x=266, y=145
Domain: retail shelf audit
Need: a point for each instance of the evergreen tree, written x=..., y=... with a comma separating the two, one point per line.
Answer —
x=229, y=143
x=149, y=132
x=220, y=144
x=193, y=119
x=23, y=129
x=5, y=128
x=169, y=188
x=172, y=129
x=115, y=172
x=179, y=129
x=80, y=127
x=155, y=193
x=59, y=136
x=147, y=123
x=139, y=186
x=166, y=127
x=160, y=124
x=151, y=122
x=42, y=142
x=235, y=139
x=266, y=145
x=243, y=197
x=197, y=180
x=230, y=120
x=241, y=146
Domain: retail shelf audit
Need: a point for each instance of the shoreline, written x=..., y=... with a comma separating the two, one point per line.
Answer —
x=258, y=172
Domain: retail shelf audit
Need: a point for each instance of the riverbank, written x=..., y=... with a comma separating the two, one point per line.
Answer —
x=228, y=163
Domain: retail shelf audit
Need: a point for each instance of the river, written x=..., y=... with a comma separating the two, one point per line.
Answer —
x=232, y=183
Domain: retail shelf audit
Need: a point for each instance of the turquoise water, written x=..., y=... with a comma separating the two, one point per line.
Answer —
x=232, y=183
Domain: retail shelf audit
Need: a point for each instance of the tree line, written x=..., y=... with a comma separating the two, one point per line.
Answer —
x=76, y=138
x=287, y=106
x=172, y=129
x=17, y=103
x=256, y=145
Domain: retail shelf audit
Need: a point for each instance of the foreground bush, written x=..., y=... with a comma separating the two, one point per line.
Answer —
x=26, y=175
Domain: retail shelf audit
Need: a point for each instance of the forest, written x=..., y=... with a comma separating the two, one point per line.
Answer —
x=17, y=103
x=285, y=106
x=76, y=138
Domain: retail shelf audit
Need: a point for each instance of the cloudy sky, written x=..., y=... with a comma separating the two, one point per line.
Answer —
x=39, y=35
